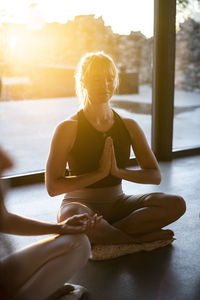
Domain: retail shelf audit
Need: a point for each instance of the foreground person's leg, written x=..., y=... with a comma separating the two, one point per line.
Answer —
x=44, y=267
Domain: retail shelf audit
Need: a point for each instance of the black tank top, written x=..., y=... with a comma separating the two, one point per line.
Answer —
x=88, y=147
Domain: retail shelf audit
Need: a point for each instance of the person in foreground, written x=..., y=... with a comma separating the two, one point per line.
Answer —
x=40, y=270
x=95, y=144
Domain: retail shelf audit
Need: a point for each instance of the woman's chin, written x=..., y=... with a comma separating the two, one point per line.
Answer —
x=100, y=99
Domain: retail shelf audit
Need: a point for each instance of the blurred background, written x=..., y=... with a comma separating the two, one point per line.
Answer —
x=41, y=43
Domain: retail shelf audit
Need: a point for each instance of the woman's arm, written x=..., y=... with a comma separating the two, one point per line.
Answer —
x=62, y=142
x=150, y=171
x=20, y=225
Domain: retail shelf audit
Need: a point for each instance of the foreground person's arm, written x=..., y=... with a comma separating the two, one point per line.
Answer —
x=149, y=172
x=16, y=224
x=62, y=142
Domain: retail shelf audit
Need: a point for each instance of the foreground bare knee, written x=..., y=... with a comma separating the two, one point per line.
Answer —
x=80, y=244
x=76, y=243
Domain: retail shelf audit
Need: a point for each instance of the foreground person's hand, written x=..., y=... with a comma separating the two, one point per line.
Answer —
x=92, y=224
x=79, y=224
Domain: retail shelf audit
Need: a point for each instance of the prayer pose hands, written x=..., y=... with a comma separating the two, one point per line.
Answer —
x=108, y=163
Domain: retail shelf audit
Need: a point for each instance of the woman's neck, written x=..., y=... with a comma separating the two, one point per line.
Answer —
x=99, y=115
x=100, y=111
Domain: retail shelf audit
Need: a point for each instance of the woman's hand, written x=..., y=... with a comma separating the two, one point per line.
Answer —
x=114, y=168
x=105, y=161
x=79, y=224
x=108, y=163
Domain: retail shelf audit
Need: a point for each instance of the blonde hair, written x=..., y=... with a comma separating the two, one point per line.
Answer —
x=88, y=65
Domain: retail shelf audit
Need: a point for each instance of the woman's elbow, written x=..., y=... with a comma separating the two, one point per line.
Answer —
x=158, y=178
x=51, y=189
x=51, y=192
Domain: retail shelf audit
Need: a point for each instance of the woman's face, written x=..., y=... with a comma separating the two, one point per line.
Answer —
x=100, y=87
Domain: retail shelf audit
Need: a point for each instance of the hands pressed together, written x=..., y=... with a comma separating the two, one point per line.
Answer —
x=84, y=223
x=108, y=164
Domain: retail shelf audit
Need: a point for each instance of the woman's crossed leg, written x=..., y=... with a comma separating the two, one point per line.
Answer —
x=143, y=224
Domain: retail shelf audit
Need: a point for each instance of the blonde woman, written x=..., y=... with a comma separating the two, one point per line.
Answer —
x=95, y=144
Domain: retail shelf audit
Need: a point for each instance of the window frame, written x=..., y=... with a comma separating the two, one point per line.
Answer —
x=163, y=83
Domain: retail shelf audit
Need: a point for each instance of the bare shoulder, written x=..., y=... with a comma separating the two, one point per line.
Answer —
x=130, y=122
x=65, y=134
x=68, y=126
x=132, y=126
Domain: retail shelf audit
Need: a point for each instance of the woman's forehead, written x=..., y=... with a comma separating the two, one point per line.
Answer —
x=103, y=72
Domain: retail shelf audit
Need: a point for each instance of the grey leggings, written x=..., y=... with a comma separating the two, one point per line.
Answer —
x=110, y=202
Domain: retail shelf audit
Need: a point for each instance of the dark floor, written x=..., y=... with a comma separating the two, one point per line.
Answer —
x=170, y=273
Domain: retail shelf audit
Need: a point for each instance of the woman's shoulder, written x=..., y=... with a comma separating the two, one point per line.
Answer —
x=68, y=124
x=129, y=123
x=65, y=133
x=132, y=126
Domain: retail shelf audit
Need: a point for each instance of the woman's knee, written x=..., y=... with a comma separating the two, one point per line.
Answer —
x=175, y=204
x=83, y=248
x=179, y=204
x=79, y=244
x=170, y=203
x=71, y=210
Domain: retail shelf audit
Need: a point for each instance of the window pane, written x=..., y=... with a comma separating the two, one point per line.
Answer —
x=38, y=58
x=187, y=77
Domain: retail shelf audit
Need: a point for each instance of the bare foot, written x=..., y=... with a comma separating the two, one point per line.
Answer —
x=161, y=234
x=64, y=290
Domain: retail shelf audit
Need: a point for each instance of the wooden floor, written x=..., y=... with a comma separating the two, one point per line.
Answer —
x=170, y=273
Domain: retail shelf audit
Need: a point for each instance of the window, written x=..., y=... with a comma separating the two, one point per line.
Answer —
x=41, y=44
x=187, y=78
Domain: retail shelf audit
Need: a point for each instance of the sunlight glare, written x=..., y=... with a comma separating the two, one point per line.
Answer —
x=12, y=42
x=123, y=16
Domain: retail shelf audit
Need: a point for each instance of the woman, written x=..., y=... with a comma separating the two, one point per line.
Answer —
x=95, y=143
x=40, y=271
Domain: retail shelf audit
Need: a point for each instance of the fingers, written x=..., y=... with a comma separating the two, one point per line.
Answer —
x=85, y=224
x=81, y=223
x=108, y=143
x=91, y=223
x=94, y=221
x=107, y=146
x=105, y=161
x=80, y=217
x=76, y=219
